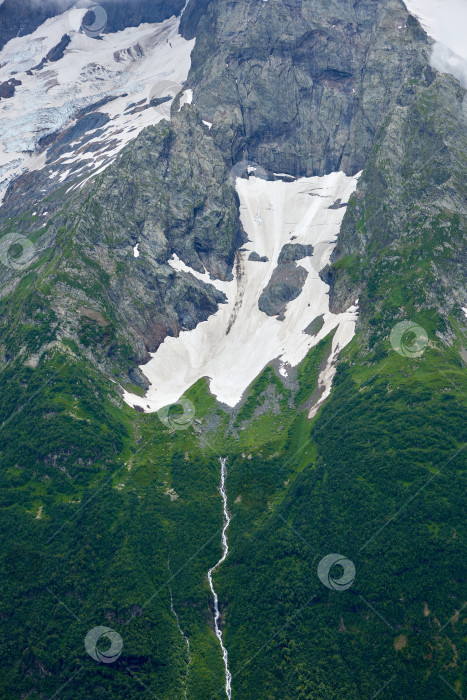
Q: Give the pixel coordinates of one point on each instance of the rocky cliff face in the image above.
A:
(410, 205)
(165, 196)
(100, 504)
(299, 87)
(287, 280)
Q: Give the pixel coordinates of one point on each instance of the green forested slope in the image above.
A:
(378, 477)
(108, 515)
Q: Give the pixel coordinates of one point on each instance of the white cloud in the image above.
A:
(445, 21)
(446, 61)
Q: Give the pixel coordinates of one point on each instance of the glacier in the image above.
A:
(126, 66)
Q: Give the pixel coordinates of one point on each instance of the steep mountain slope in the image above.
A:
(169, 181)
(75, 101)
(300, 87)
(21, 19)
(272, 300)
(112, 517)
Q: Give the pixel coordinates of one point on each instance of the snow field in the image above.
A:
(234, 345)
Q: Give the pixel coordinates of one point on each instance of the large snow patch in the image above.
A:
(234, 345)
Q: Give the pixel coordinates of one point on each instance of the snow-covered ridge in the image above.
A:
(128, 66)
(234, 345)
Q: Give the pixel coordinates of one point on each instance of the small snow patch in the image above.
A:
(136, 251)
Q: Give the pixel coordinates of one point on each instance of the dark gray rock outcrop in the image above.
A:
(294, 251)
(315, 326)
(410, 203)
(8, 88)
(55, 54)
(168, 192)
(285, 285)
(301, 88)
(286, 281)
(256, 257)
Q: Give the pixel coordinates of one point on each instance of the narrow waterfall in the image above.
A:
(225, 551)
(187, 641)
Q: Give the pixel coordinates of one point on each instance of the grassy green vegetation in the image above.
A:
(111, 518)
(107, 514)
(379, 477)
(374, 458)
